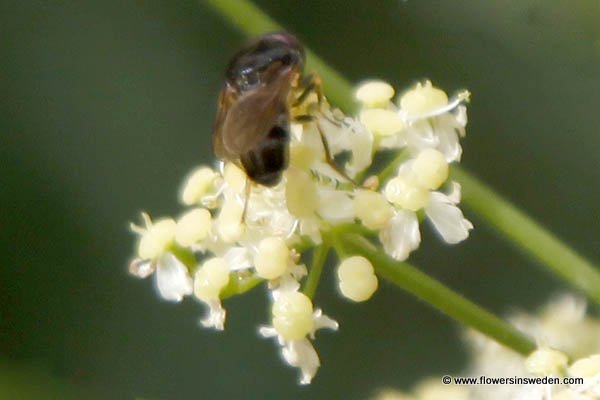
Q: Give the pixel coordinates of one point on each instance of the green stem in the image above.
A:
(441, 297)
(319, 257)
(528, 235)
(516, 225)
(239, 284)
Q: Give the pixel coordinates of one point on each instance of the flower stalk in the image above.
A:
(421, 285)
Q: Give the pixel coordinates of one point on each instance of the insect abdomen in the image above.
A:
(266, 162)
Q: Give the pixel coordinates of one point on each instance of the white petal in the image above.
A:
(172, 278)
(310, 227)
(401, 235)
(447, 219)
(267, 331)
(448, 139)
(216, 316)
(141, 268)
(455, 193)
(323, 321)
(335, 206)
(362, 149)
(461, 118)
(237, 258)
(421, 135)
(301, 354)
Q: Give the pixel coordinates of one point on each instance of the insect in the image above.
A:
(264, 81)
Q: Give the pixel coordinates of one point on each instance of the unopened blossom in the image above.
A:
(357, 280)
(375, 94)
(294, 322)
(271, 259)
(173, 281)
(209, 280)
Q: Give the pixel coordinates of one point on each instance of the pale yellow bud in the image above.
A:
(272, 257)
(198, 183)
(545, 361)
(586, 367)
(302, 156)
(292, 315)
(372, 209)
(381, 122)
(423, 99)
(374, 94)
(210, 279)
(357, 280)
(235, 177)
(406, 194)
(193, 227)
(430, 169)
(230, 225)
(300, 193)
(157, 238)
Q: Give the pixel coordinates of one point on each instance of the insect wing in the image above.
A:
(249, 118)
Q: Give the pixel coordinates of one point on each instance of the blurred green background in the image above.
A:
(104, 107)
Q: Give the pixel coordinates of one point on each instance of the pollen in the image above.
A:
(157, 239)
(193, 227)
(423, 98)
(430, 169)
(210, 279)
(357, 280)
(374, 94)
(372, 209)
(381, 122)
(403, 192)
(272, 257)
(197, 184)
(292, 315)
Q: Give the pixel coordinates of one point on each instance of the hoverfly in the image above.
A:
(264, 80)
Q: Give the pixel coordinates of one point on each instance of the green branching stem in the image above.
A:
(421, 285)
(319, 257)
(528, 235)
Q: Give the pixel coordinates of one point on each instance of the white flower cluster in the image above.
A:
(562, 324)
(234, 236)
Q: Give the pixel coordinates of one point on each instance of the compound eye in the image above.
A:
(248, 80)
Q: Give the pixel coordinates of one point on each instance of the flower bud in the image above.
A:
(372, 209)
(381, 122)
(197, 184)
(430, 169)
(423, 99)
(210, 279)
(374, 93)
(292, 315)
(272, 257)
(357, 278)
(545, 361)
(193, 227)
(300, 193)
(157, 238)
(406, 194)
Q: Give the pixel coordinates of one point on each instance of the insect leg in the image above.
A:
(329, 159)
(311, 83)
(248, 192)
